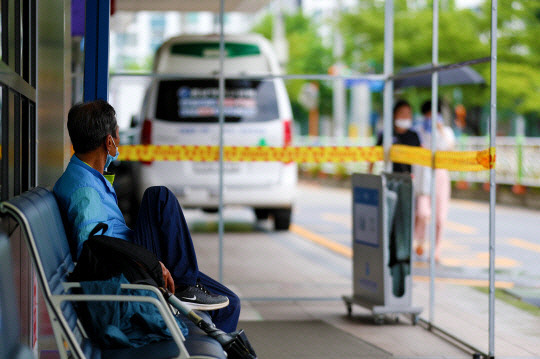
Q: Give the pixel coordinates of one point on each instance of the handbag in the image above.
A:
(103, 257)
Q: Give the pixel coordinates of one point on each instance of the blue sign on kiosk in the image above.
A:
(366, 205)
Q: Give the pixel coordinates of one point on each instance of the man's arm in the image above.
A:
(167, 278)
(84, 212)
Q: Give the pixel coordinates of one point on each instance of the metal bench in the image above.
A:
(10, 347)
(38, 214)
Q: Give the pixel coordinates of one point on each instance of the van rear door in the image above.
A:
(187, 113)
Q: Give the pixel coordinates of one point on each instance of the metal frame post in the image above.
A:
(492, 188)
(389, 82)
(387, 141)
(221, 123)
(96, 50)
(433, 145)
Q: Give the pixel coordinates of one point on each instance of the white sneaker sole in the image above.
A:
(205, 307)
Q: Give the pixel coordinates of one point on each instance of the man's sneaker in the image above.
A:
(199, 298)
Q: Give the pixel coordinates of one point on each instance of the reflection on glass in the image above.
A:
(1, 138)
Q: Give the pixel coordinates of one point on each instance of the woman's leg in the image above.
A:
(162, 229)
(442, 179)
(422, 215)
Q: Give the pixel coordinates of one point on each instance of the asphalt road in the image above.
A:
(322, 218)
(327, 212)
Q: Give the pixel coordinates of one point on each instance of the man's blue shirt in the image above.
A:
(87, 198)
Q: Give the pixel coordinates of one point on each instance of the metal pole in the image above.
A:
(338, 85)
(492, 188)
(221, 122)
(96, 51)
(389, 85)
(373, 77)
(434, 117)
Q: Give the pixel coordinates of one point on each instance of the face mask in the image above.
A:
(427, 122)
(111, 158)
(403, 123)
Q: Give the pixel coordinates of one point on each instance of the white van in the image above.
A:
(185, 112)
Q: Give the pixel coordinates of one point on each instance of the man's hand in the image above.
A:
(167, 278)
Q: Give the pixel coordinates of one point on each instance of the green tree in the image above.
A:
(363, 31)
(518, 65)
(464, 34)
(307, 55)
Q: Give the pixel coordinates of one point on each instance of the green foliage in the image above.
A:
(518, 67)
(464, 34)
(341, 171)
(265, 26)
(518, 87)
(134, 65)
(363, 31)
(508, 298)
(307, 55)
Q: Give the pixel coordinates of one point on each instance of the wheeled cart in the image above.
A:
(381, 312)
(382, 245)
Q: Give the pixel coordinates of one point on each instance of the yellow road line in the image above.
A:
(347, 252)
(470, 205)
(461, 228)
(325, 242)
(346, 220)
(480, 260)
(338, 218)
(524, 244)
(465, 282)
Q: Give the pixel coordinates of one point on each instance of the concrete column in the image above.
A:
(53, 88)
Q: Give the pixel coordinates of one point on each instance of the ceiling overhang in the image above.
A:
(189, 5)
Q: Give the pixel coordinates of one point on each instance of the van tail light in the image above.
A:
(146, 136)
(287, 133)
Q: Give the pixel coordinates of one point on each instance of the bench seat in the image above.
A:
(40, 219)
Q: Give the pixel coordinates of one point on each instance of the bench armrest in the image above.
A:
(161, 304)
(70, 285)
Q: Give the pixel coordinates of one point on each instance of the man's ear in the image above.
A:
(108, 142)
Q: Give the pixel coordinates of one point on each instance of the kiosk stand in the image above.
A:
(382, 245)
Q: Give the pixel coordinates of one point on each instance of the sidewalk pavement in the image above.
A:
(267, 265)
(261, 265)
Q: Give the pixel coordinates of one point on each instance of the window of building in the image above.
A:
(17, 97)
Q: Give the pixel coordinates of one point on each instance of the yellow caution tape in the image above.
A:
(250, 154)
(451, 160)
(411, 155)
(465, 160)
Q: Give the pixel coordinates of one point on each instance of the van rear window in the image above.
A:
(198, 101)
(211, 49)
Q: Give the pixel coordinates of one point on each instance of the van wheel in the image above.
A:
(210, 210)
(282, 219)
(261, 213)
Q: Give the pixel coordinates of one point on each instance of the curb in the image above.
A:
(528, 199)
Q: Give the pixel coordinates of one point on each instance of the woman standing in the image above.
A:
(422, 177)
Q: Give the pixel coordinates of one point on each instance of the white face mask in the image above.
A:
(403, 123)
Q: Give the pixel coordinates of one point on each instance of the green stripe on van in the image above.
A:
(211, 49)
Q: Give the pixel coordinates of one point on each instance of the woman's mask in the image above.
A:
(403, 123)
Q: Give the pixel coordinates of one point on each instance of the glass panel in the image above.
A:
(1, 29)
(2, 143)
(9, 130)
(198, 101)
(211, 49)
